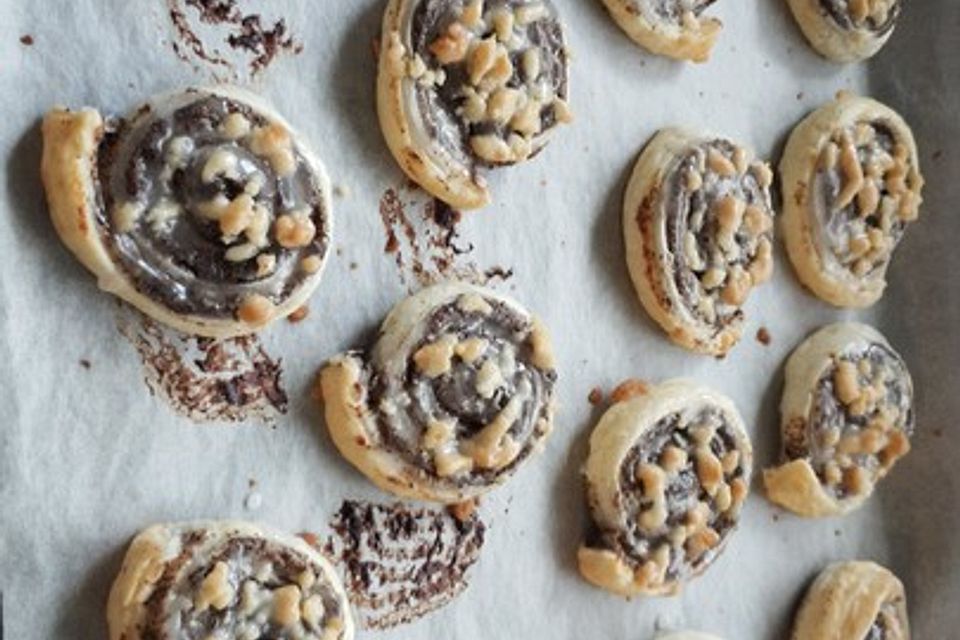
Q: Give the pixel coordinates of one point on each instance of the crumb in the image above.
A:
(837, 532)
(251, 483)
(85, 363)
(543, 183)
(339, 251)
(299, 314)
(776, 517)
(341, 191)
(26, 40)
(628, 389)
(392, 245)
(596, 396)
(937, 433)
(353, 266)
(253, 501)
(800, 95)
(763, 336)
(937, 155)
(311, 539)
(462, 511)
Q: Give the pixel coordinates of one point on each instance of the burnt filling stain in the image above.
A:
(401, 562)
(248, 33)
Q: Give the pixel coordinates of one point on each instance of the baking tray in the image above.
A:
(90, 453)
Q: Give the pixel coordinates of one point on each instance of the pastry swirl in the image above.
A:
(456, 393)
(201, 208)
(673, 28)
(203, 580)
(667, 475)
(852, 185)
(846, 416)
(854, 601)
(466, 85)
(847, 30)
(698, 227)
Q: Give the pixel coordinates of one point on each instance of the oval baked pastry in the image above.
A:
(698, 227)
(854, 601)
(466, 85)
(454, 396)
(846, 30)
(851, 185)
(667, 475)
(201, 208)
(223, 579)
(672, 28)
(846, 418)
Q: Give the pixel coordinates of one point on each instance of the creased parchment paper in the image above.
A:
(88, 455)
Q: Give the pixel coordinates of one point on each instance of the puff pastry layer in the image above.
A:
(667, 475)
(201, 208)
(467, 85)
(698, 229)
(851, 186)
(225, 580)
(854, 601)
(846, 417)
(454, 396)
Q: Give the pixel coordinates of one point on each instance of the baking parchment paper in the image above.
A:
(88, 455)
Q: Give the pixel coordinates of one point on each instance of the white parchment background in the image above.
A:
(87, 457)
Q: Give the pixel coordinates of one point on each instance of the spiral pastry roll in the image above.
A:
(200, 208)
(854, 601)
(465, 85)
(846, 417)
(225, 580)
(851, 183)
(456, 393)
(698, 226)
(667, 474)
(672, 28)
(846, 30)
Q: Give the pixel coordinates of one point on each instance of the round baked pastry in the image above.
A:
(854, 601)
(698, 226)
(201, 208)
(846, 30)
(846, 417)
(466, 85)
(851, 185)
(203, 580)
(454, 396)
(667, 474)
(673, 28)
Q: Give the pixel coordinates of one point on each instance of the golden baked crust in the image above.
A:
(840, 248)
(668, 247)
(677, 436)
(868, 24)
(452, 170)
(69, 169)
(419, 415)
(247, 571)
(690, 37)
(846, 418)
(849, 598)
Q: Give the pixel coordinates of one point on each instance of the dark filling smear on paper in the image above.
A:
(422, 236)
(207, 380)
(257, 41)
(401, 562)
